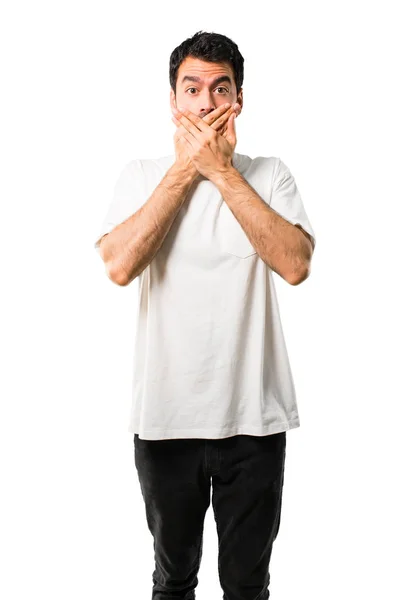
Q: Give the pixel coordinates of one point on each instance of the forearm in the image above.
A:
(132, 245)
(281, 245)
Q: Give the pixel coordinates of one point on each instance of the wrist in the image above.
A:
(187, 173)
(183, 173)
(220, 176)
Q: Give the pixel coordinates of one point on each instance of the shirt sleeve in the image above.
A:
(127, 198)
(286, 199)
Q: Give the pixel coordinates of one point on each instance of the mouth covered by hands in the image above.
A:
(206, 145)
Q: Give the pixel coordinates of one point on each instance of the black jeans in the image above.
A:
(247, 475)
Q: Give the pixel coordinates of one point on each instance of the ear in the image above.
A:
(172, 99)
(239, 100)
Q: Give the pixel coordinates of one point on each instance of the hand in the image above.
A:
(231, 109)
(217, 119)
(209, 151)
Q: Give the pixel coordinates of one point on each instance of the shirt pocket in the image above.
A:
(233, 238)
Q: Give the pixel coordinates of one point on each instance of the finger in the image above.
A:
(192, 122)
(231, 131)
(223, 118)
(180, 128)
(216, 113)
(217, 117)
(189, 126)
(188, 138)
(178, 124)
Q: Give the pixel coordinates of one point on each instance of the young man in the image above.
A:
(213, 396)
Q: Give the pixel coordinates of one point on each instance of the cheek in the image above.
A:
(187, 105)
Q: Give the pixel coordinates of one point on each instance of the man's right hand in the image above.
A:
(217, 119)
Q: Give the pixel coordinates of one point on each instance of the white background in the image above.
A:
(85, 89)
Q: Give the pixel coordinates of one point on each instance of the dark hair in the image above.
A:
(212, 47)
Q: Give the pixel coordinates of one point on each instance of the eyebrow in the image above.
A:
(198, 79)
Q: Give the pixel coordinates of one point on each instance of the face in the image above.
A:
(203, 86)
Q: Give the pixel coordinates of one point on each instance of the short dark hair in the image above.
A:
(212, 47)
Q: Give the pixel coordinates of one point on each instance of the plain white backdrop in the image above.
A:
(85, 89)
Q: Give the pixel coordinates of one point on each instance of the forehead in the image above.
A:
(203, 69)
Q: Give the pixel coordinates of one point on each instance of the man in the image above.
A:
(203, 230)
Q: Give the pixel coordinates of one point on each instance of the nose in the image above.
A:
(207, 104)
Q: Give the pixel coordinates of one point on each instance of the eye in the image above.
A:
(218, 88)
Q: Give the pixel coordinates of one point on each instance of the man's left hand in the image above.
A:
(210, 152)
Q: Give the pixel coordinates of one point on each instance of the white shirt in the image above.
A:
(210, 359)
